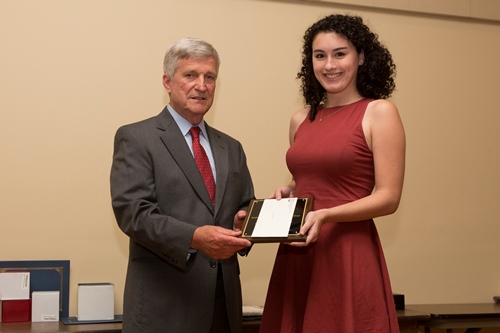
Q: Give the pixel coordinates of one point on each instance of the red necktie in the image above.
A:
(201, 159)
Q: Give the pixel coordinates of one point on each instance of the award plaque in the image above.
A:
(275, 221)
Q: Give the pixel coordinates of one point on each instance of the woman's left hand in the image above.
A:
(311, 227)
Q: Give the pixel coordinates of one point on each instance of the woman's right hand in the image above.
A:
(282, 192)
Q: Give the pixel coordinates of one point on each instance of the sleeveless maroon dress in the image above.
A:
(340, 284)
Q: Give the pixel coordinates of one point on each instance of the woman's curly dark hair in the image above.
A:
(375, 77)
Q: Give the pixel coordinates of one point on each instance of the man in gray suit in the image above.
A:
(183, 273)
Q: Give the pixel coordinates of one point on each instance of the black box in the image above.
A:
(399, 301)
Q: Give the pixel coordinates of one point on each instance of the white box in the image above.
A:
(44, 306)
(96, 301)
(15, 285)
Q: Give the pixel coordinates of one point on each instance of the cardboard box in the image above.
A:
(96, 301)
(16, 311)
(44, 306)
(15, 285)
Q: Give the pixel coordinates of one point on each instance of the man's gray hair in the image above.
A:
(186, 48)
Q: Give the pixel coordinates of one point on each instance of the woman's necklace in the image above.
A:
(337, 111)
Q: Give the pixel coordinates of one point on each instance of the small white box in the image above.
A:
(96, 301)
(15, 285)
(44, 306)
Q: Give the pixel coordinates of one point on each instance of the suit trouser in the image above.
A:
(220, 321)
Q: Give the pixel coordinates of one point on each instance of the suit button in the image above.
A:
(213, 264)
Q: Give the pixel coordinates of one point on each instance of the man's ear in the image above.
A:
(361, 58)
(166, 83)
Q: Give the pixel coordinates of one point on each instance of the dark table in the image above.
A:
(408, 319)
(472, 317)
(59, 327)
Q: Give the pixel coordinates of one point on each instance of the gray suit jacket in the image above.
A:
(159, 199)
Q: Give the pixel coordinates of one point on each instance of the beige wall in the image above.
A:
(71, 72)
(476, 9)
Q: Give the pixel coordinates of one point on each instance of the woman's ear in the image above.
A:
(361, 58)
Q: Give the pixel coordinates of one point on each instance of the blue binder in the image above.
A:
(45, 275)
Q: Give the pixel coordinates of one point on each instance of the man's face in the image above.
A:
(192, 88)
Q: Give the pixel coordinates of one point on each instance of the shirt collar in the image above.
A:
(184, 124)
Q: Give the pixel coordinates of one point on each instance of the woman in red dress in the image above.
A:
(347, 152)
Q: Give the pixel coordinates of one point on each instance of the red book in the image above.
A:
(15, 311)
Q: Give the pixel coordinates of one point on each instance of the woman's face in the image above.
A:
(335, 62)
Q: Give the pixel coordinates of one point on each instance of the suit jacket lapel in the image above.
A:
(175, 143)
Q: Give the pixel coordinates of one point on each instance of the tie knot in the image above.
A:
(195, 131)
